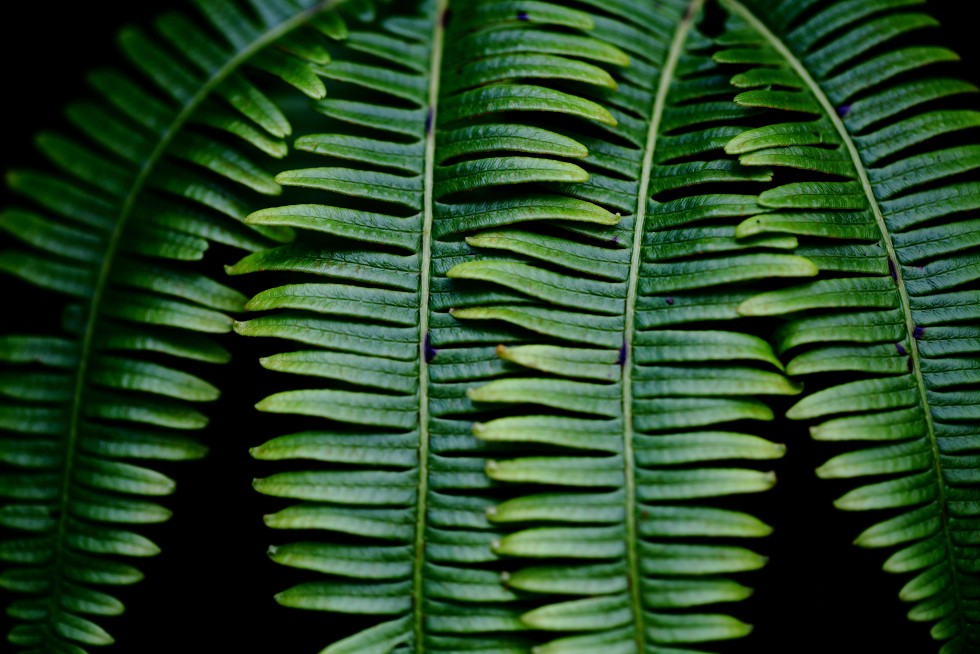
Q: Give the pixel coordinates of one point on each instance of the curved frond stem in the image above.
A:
(632, 536)
(438, 38)
(115, 239)
(886, 241)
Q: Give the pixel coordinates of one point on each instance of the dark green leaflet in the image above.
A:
(886, 219)
(145, 187)
(439, 153)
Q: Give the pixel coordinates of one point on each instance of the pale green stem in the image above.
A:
(632, 536)
(438, 37)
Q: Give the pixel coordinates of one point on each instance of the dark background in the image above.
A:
(211, 589)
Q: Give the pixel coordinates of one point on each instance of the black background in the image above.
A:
(211, 590)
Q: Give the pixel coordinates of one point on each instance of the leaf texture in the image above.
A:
(895, 303)
(521, 281)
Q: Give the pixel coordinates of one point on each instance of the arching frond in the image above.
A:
(440, 119)
(646, 385)
(884, 212)
(167, 159)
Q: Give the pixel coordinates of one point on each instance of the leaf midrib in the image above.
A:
(112, 247)
(418, 570)
(660, 102)
(831, 112)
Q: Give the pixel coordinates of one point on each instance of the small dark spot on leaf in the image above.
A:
(430, 352)
(918, 332)
(891, 270)
(908, 364)
(446, 17)
(615, 240)
(622, 355)
(428, 121)
(645, 514)
(522, 15)
(900, 348)
(669, 300)
(843, 110)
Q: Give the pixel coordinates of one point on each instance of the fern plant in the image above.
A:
(550, 266)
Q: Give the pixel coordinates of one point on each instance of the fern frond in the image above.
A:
(648, 411)
(885, 214)
(144, 187)
(440, 132)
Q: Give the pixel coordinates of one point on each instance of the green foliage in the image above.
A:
(539, 275)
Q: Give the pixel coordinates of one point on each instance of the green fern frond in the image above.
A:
(144, 187)
(442, 113)
(885, 216)
(654, 409)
